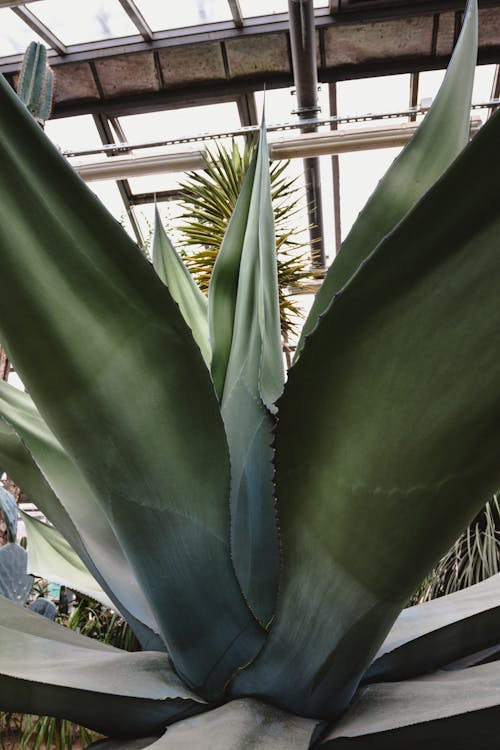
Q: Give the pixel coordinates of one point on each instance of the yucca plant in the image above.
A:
(208, 201)
(266, 584)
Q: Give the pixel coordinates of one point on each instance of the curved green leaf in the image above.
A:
(181, 285)
(34, 458)
(437, 142)
(460, 710)
(51, 557)
(398, 448)
(253, 381)
(48, 669)
(8, 507)
(439, 632)
(105, 354)
(239, 725)
(15, 583)
(223, 288)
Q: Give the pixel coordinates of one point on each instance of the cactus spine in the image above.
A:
(36, 82)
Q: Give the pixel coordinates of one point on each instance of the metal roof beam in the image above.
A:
(332, 96)
(39, 28)
(220, 31)
(137, 19)
(247, 109)
(236, 13)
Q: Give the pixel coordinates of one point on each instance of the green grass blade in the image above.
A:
(399, 446)
(437, 142)
(110, 363)
(174, 274)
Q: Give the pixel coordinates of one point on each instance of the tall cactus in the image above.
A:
(36, 82)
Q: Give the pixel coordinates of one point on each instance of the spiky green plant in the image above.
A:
(274, 577)
(208, 202)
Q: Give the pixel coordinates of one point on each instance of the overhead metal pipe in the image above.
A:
(303, 146)
(305, 75)
(120, 168)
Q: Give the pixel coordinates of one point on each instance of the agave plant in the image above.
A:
(266, 584)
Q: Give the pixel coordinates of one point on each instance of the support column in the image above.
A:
(303, 46)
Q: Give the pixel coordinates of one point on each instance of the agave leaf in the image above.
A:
(48, 669)
(15, 583)
(242, 725)
(8, 507)
(82, 276)
(446, 709)
(253, 380)
(224, 282)
(137, 743)
(51, 557)
(434, 634)
(34, 458)
(399, 446)
(174, 274)
(437, 142)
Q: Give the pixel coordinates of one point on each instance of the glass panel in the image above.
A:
(483, 85)
(169, 15)
(263, 7)
(176, 123)
(359, 174)
(108, 193)
(74, 132)
(14, 34)
(428, 84)
(88, 21)
(379, 95)
(279, 105)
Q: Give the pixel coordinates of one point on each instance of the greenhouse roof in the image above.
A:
(140, 70)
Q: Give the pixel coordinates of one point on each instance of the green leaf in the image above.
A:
(223, 289)
(253, 381)
(239, 725)
(138, 743)
(399, 446)
(15, 583)
(441, 631)
(437, 142)
(37, 462)
(460, 710)
(51, 557)
(133, 406)
(8, 507)
(434, 634)
(48, 669)
(181, 285)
